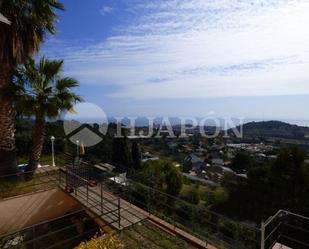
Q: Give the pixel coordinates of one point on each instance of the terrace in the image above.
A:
(70, 193)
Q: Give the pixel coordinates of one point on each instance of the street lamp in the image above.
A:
(52, 139)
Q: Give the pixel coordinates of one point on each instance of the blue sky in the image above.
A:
(235, 58)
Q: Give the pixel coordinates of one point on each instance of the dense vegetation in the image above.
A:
(162, 175)
(281, 184)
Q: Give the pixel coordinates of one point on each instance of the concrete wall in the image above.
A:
(27, 210)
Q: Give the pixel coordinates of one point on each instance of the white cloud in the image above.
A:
(198, 48)
(106, 10)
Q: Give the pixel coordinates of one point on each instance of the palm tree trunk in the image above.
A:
(8, 164)
(38, 141)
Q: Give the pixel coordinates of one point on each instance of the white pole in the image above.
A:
(263, 235)
(53, 150)
(77, 148)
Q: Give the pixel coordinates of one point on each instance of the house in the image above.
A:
(217, 162)
(148, 157)
(186, 148)
(197, 163)
(227, 170)
(200, 151)
(198, 166)
(105, 167)
(215, 169)
(193, 158)
(172, 145)
(120, 179)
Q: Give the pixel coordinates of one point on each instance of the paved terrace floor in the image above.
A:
(113, 210)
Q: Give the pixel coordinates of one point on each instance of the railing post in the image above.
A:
(66, 179)
(148, 199)
(87, 192)
(119, 212)
(101, 198)
(75, 185)
(59, 180)
(262, 235)
(53, 151)
(192, 217)
(34, 239)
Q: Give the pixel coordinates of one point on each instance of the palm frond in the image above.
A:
(31, 20)
(65, 83)
(38, 89)
(50, 69)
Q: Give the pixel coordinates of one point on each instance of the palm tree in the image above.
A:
(30, 22)
(41, 92)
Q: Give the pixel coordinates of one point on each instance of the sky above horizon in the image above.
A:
(233, 58)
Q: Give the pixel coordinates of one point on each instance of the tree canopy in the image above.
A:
(30, 21)
(282, 184)
(136, 155)
(242, 162)
(162, 174)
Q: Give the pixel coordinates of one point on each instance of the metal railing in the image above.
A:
(81, 190)
(78, 178)
(16, 184)
(54, 233)
(286, 228)
(201, 222)
(196, 220)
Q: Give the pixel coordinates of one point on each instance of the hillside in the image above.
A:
(275, 129)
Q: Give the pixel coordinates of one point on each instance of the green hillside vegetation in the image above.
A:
(275, 129)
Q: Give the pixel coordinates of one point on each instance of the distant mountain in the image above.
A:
(275, 129)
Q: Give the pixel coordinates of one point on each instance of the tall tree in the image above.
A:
(40, 91)
(242, 162)
(173, 179)
(31, 21)
(136, 155)
(162, 175)
(289, 178)
(193, 195)
(153, 174)
(121, 153)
